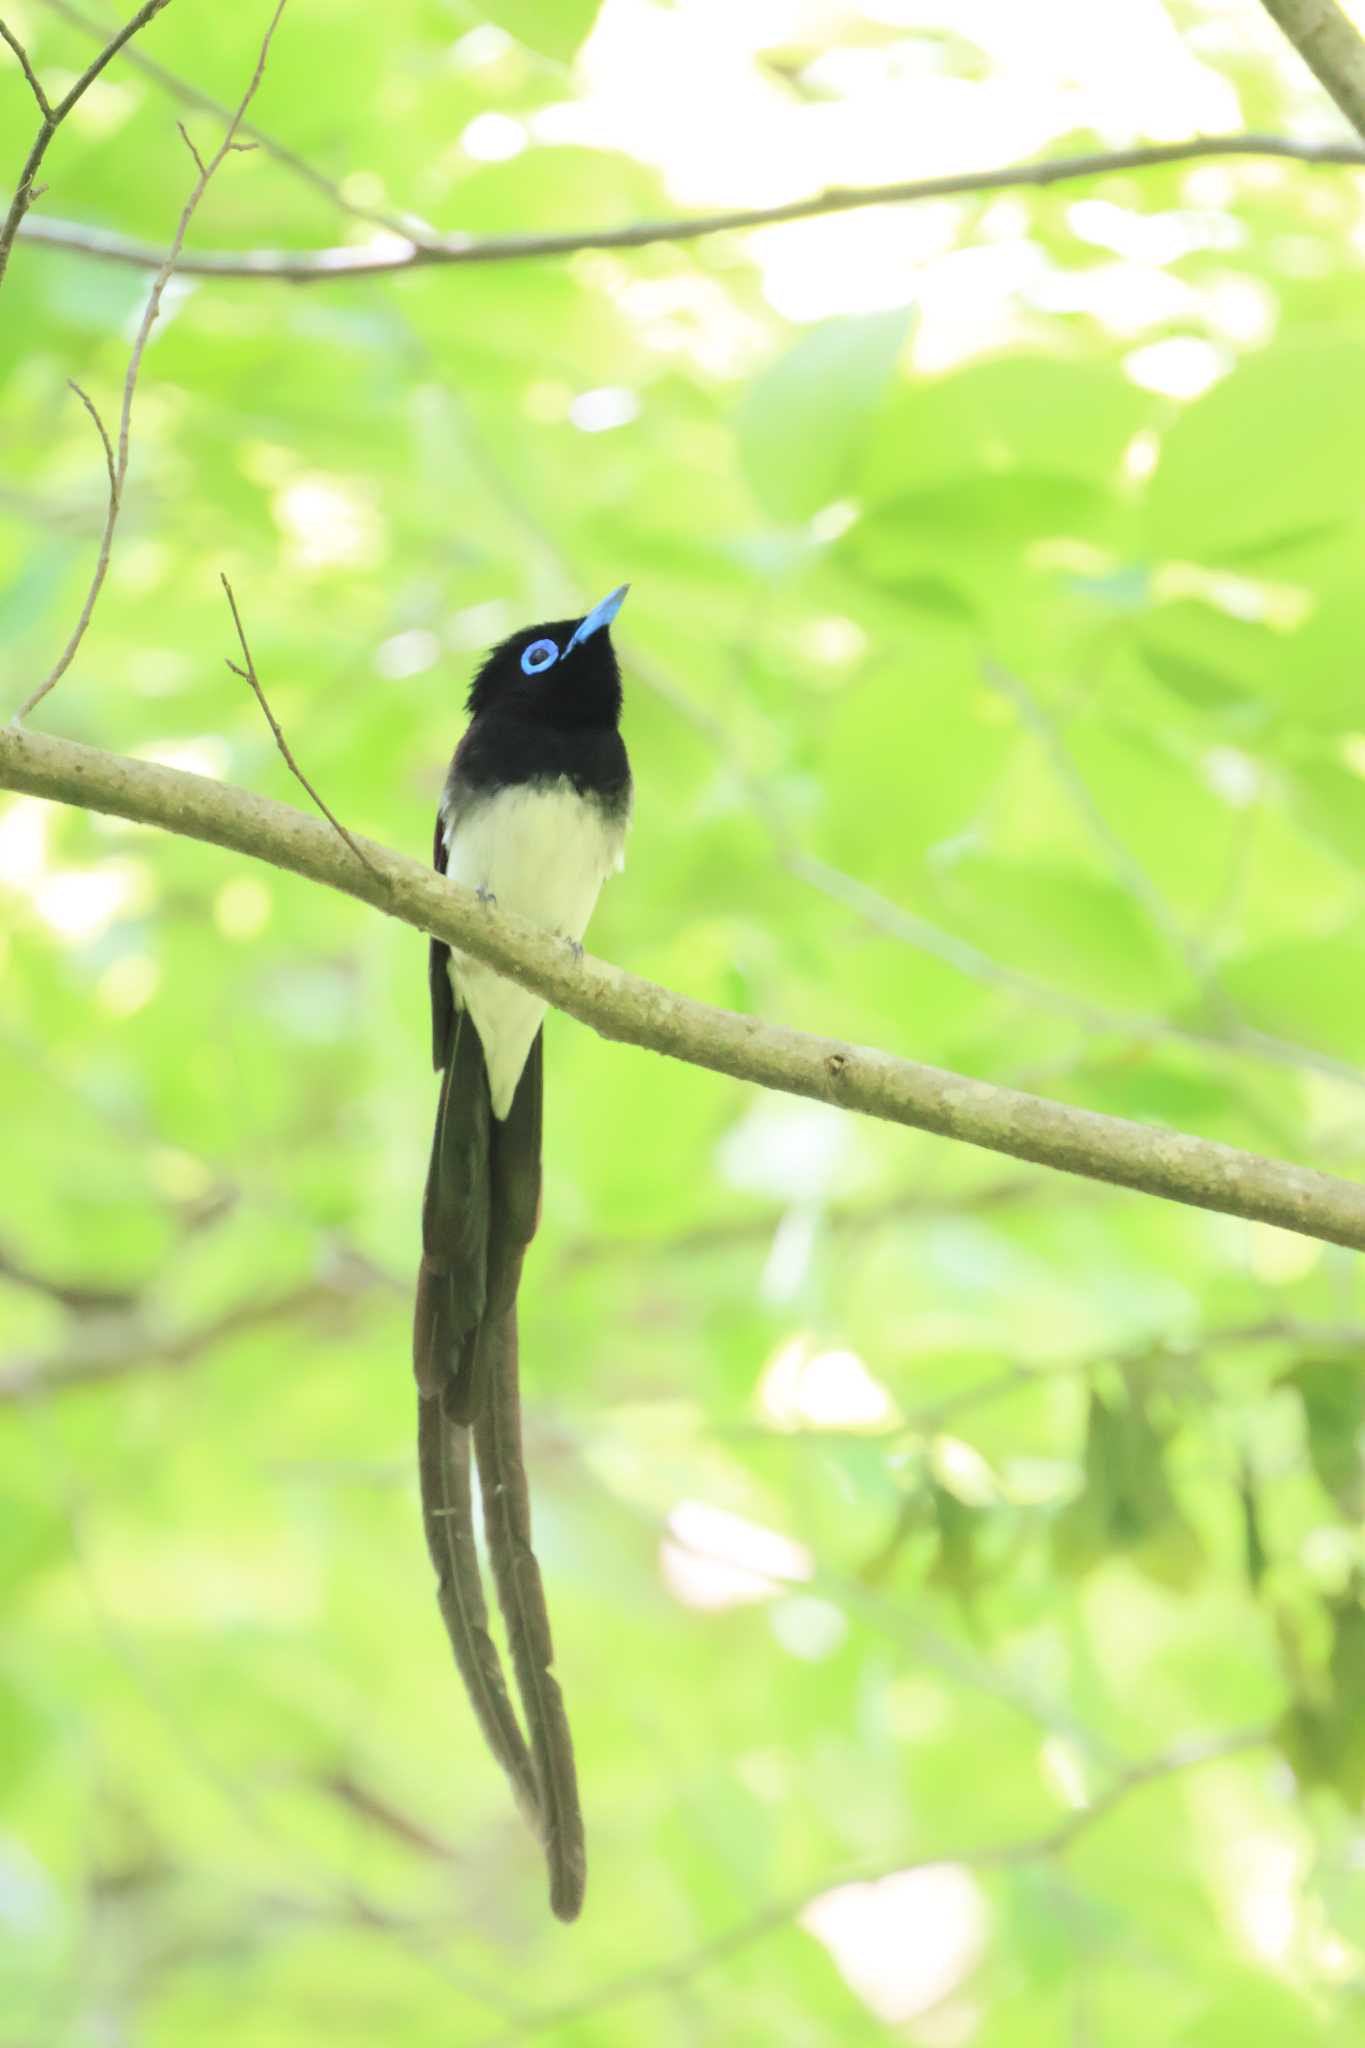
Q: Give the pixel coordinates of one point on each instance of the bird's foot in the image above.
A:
(486, 896)
(575, 946)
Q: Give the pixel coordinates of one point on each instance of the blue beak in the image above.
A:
(600, 615)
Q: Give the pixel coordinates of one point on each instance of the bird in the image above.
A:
(533, 818)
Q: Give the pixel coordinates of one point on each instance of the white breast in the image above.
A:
(544, 852)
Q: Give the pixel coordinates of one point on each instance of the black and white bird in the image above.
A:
(533, 818)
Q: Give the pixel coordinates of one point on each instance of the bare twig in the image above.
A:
(78, 1297)
(757, 1229)
(128, 1343)
(88, 402)
(1149, 1158)
(381, 1813)
(44, 103)
(27, 189)
(119, 468)
(1230, 1029)
(1331, 47)
(249, 675)
(188, 141)
(191, 95)
(412, 250)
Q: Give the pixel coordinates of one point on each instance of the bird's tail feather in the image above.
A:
(447, 1515)
(507, 1524)
(480, 1212)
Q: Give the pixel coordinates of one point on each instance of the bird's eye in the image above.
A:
(541, 654)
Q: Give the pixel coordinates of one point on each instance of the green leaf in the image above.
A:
(807, 418)
(1323, 1732)
(1332, 1391)
(1213, 662)
(1046, 415)
(1331, 802)
(1304, 989)
(554, 27)
(1274, 450)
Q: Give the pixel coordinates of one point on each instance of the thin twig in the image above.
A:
(381, 1813)
(191, 95)
(28, 189)
(78, 1297)
(249, 675)
(188, 141)
(1151, 1159)
(1231, 1028)
(412, 250)
(119, 471)
(1044, 1847)
(44, 103)
(128, 1343)
(88, 402)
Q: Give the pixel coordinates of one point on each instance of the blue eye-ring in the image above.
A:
(540, 655)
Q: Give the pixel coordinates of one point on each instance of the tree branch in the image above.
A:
(118, 464)
(191, 95)
(1148, 1158)
(128, 1343)
(413, 251)
(1330, 46)
(53, 116)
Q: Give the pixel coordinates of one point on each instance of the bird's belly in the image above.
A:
(543, 852)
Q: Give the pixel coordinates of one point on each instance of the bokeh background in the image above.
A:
(956, 1569)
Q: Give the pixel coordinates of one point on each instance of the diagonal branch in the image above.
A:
(34, 83)
(1332, 48)
(191, 95)
(130, 1343)
(410, 250)
(53, 116)
(118, 464)
(1148, 1158)
(249, 675)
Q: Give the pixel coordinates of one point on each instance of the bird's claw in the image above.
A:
(486, 896)
(575, 946)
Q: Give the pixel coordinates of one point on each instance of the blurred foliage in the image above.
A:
(994, 694)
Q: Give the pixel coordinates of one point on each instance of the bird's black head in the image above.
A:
(562, 673)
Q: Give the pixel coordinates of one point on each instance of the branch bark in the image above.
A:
(414, 251)
(1330, 46)
(1148, 1158)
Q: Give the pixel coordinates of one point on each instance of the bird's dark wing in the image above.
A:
(438, 972)
(452, 1279)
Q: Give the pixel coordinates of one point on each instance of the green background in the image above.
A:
(994, 690)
